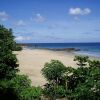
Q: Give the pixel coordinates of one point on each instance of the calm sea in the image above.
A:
(90, 49)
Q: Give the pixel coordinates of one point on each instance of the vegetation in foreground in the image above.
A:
(66, 82)
(82, 83)
(12, 85)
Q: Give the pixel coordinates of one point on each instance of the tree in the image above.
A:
(7, 40)
(54, 71)
(8, 61)
(11, 84)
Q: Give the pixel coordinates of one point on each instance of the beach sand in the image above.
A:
(32, 61)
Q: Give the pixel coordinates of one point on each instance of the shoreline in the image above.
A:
(75, 51)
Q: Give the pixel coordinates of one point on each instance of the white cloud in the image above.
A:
(22, 38)
(79, 11)
(20, 23)
(3, 16)
(38, 18)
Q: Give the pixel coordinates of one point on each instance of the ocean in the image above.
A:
(89, 49)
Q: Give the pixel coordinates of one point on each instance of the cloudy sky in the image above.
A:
(52, 20)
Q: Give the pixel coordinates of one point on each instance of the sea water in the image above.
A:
(89, 49)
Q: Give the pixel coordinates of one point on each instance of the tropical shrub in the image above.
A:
(31, 93)
(20, 83)
(85, 82)
(81, 60)
(54, 72)
(54, 91)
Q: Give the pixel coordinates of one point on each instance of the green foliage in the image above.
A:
(7, 40)
(81, 60)
(54, 91)
(20, 83)
(6, 91)
(94, 63)
(8, 65)
(8, 61)
(89, 90)
(12, 86)
(19, 88)
(79, 76)
(85, 82)
(82, 83)
(54, 71)
(31, 93)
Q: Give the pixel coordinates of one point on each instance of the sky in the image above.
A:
(52, 21)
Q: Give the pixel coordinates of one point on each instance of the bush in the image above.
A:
(54, 91)
(20, 83)
(54, 71)
(84, 83)
(81, 60)
(31, 93)
(94, 63)
(7, 92)
(8, 65)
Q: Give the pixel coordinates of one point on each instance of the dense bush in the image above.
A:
(82, 83)
(54, 71)
(8, 61)
(8, 65)
(7, 92)
(31, 93)
(20, 83)
(54, 91)
(22, 87)
(19, 88)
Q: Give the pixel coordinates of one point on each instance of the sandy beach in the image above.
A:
(32, 61)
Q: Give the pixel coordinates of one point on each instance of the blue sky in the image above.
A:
(52, 20)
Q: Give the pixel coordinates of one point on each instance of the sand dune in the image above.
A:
(32, 61)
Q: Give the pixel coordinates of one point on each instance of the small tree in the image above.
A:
(54, 71)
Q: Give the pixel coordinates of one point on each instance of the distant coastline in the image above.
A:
(89, 49)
